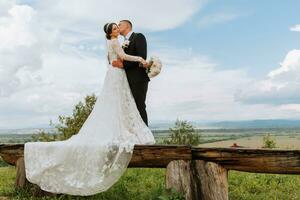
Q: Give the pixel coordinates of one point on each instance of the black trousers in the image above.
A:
(139, 92)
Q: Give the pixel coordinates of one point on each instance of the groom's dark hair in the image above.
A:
(129, 22)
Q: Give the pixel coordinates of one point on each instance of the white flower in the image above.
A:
(155, 67)
(125, 44)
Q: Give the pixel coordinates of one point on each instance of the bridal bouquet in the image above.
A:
(154, 68)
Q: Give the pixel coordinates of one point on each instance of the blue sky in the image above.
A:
(223, 60)
(256, 38)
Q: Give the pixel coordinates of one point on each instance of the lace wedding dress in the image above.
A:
(95, 158)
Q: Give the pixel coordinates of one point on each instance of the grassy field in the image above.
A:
(136, 184)
(7, 178)
(146, 184)
(282, 142)
(253, 186)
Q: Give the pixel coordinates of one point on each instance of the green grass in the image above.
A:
(147, 184)
(7, 178)
(136, 184)
(2, 163)
(248, 186)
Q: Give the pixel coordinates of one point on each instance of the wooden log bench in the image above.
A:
(199, 173)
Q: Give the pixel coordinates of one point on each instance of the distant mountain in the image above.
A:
(259, 123)
(268, 123)
(25, 130)
(160, 125)
(165, 125)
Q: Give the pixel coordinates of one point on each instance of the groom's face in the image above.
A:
(124, 28)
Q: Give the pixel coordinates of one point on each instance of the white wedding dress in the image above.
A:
(96, 157)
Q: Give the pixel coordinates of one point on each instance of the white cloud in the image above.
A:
(291, 107)
(290, 67)
(295, 28)
(147, 15)
(19, 49)
(192, 87)
(53, 90)
(281, 86)
(52, 52)
(5, 5)
(53, 55)
(217, 18)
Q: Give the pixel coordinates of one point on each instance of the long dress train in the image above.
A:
(96, 157)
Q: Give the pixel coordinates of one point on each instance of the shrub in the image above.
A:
(183, 133)
(269, 142)
(69, 125)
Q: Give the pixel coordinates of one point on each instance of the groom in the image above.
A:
(135, 44)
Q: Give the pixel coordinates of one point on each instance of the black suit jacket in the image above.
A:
(137, 47)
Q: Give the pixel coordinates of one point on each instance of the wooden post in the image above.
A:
(213, 178)
(198, 180)
(200, 173)
(21, 180)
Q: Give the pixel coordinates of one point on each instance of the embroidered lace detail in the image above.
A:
(115, 51)
(96, 157)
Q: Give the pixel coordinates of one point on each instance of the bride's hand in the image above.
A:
(117, 63)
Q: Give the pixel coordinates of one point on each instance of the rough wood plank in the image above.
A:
(10, 153)
(252, 160)
(21, 180)
(143, 155)
(159, 155)
(198, 180)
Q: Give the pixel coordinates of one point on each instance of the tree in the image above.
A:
(268, 142)
(44, 136)
(183, 133)
(69, 125)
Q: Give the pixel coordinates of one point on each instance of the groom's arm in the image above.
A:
(141, 50)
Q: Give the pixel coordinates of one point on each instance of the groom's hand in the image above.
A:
(117, 63)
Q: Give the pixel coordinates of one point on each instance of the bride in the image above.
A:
(96, 157)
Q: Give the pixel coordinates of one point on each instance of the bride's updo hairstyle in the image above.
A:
(108, 29)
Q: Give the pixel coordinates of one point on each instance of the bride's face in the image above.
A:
(115, 31)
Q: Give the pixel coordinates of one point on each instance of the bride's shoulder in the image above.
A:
(114, 41)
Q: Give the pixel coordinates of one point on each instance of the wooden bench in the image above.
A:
(200, 173)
